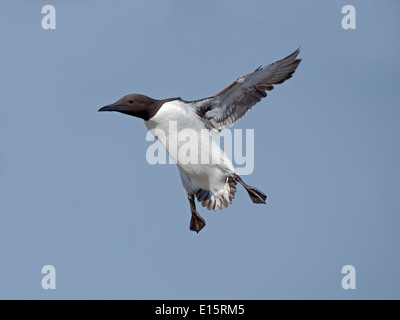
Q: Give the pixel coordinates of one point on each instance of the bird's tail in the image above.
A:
(223, 199)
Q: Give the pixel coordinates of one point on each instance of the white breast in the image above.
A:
(191, 146)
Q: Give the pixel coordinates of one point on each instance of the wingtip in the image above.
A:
(295, 53)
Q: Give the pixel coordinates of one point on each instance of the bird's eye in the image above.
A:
(130, 101)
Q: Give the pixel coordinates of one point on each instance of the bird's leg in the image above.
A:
(196, 222)
(257, 196)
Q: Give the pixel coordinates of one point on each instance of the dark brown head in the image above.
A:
(136, 105)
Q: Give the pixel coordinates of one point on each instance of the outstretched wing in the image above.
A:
(229, 105)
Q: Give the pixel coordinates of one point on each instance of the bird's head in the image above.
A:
(136, 105)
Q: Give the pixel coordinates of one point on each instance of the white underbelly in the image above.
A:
(202, 163)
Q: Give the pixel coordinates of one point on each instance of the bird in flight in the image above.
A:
(214, 182)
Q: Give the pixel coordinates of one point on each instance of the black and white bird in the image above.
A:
(213, 182)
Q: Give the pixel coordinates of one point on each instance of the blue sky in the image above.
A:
(76, 191)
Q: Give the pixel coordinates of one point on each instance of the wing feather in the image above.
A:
(232, 103)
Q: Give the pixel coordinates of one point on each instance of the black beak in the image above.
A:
(110, 107)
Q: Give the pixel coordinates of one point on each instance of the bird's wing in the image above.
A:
(232, 103)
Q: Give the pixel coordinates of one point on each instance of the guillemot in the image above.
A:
(213, 184)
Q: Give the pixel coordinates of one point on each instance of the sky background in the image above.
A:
(76, 191)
